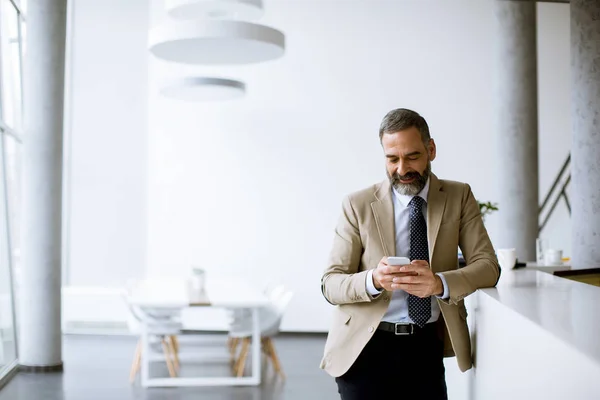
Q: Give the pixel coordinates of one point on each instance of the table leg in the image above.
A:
(256, 344)
(145, 372)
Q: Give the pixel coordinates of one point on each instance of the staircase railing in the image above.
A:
(557, 191)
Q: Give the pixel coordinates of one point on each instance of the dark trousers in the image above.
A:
(397, 367)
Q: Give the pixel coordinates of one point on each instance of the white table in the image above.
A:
(171, 296)
(548, 268)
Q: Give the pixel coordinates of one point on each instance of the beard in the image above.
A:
(413, 188)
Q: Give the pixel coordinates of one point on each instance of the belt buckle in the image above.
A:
(396, 325)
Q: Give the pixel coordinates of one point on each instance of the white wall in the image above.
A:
(108, 143)
(253, 188)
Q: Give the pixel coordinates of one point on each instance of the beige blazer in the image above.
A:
(365, 233)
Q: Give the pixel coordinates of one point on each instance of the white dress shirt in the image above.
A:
(398, 309)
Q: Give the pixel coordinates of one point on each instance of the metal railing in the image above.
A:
(557, 192)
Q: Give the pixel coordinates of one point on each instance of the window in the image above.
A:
(8, 347)
(10, 48)
(12, 168)
(11, 104)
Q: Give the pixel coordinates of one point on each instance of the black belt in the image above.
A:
(403, 328)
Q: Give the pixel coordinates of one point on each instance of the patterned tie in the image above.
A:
(419, 309)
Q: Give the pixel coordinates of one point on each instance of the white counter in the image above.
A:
(536, 336)
(564, 308)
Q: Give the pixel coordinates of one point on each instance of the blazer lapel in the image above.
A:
(436, 203)
(383, 210)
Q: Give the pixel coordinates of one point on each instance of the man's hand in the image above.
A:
(384, 274)
(422, 283)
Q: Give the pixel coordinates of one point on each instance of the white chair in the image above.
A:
(270, 318)
(272, 291)
(163, 329)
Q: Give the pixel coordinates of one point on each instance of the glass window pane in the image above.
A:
(8, 352)
(10, 53)
(12, 151)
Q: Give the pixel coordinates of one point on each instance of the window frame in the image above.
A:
(6, 131)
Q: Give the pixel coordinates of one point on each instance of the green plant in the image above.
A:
(487, 208)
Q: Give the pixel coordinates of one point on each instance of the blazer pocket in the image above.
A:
(343, 317)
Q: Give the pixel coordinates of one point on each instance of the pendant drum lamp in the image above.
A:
(227, 9)
(215, 42)
(200, 89)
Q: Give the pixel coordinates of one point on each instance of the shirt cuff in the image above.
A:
(446, 294)
(371, 289)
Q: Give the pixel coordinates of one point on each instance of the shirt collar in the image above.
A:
(405, 199)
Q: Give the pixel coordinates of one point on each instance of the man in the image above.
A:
(394, 324)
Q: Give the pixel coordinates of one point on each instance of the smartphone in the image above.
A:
(398, 261)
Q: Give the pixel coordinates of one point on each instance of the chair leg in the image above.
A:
(265, 347)
(175, 343)
(241, 363)
(233, 343)
(274, 357)
(266, 350)
(236, 358)
(173, 349)
(168, 360)
(135, 365)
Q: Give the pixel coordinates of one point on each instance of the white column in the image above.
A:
(585, 161)
(39, 288)
(516, 126)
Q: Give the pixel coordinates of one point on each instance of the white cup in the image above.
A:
(553, 257)
(507, 258)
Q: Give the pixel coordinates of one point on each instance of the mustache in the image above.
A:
(409, 175)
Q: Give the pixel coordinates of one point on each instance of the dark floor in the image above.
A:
(97, 368)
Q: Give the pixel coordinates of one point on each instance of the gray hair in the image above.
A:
(402, 118)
